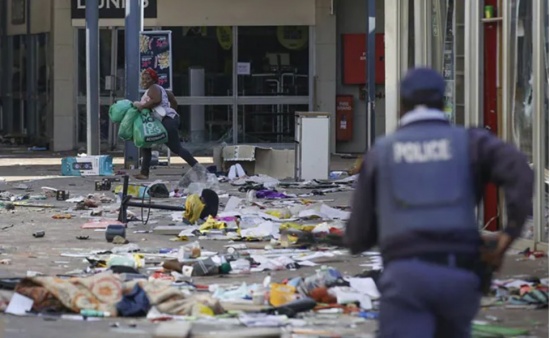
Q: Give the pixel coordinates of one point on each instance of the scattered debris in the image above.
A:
(39, 234)
(268, 226)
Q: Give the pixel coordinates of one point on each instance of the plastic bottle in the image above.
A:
(267, 281)
(94, 313)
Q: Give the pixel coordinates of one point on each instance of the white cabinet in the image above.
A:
(312, 145)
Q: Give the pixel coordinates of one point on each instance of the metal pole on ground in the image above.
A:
(371, 69)
(134, 19)
(92, 77)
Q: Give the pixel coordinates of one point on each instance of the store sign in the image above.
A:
(18, 12)
(112, 9)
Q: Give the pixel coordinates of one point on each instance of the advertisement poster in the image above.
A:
(155, 52)
(448, 63)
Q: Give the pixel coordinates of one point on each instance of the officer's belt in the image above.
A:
(468, 262)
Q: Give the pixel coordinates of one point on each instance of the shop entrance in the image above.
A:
(233, 84)
(25, 96)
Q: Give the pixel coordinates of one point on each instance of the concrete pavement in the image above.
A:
(43, 254)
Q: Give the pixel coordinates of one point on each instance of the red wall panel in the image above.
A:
(354, 55)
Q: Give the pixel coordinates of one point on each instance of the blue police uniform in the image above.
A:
(416, 197)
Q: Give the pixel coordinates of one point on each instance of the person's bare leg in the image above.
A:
(146, 154)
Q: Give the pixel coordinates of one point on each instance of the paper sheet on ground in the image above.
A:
(19, 305)
(365, 286)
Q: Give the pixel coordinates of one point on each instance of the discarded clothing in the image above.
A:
(270, 194)
(211, 224)
(134, 304)
(103, 291)
(158, 190)
(211, 202)
(531, 297)
(193, 208)
(251, 186)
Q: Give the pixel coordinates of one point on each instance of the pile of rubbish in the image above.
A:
(267, 230)
(117, 288)
(281, 264)
(523, 292)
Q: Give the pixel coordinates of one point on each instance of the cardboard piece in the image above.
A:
(100, 224)
(240, 332)
(173, 329)
(169, 230)
(101, 165)
(243, 306)
(277, 163)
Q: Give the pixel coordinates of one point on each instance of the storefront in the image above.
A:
(241, 69)
(24, 58)
(261, 69)
(272, 79)
(494, 56)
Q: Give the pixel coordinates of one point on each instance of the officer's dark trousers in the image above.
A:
(420, 299)
(174, 144)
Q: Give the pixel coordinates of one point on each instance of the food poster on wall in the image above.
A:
(225, 36)
(155, 52)
(293, 37)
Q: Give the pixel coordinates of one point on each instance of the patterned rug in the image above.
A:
(103, 291)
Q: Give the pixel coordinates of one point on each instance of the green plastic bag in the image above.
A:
(126, 128)
(148, 131)
(118, 110)
(493, 331)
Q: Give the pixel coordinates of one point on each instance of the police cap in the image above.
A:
(422, 85)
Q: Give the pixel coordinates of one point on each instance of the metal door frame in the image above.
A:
(233, 100)
(21, 97)
(112, 136)
(104, 100)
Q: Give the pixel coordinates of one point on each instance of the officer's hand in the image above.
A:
(494, 249)
(492, 257)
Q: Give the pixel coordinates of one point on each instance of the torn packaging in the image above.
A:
(193, 208)
(201, 207)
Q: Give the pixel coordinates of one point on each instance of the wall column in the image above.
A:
(422, 33)
(325, 63)
(64, 70)
(473, 64)
(539, 137)
(396, 21)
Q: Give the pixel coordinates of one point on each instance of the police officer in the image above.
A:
(416, 197)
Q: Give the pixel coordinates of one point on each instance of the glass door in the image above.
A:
(273, 73)
(19, 84)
